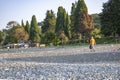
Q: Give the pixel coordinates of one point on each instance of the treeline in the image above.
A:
(63, 28)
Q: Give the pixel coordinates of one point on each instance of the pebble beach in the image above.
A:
(61, 63)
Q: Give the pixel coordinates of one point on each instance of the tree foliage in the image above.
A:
(67, 26)
(27, 27)
(34, 30)
(20, 34)
(49, 22)
(96, 33)
(1, 36)
(11, 24)
(63, 38)
(16, 34)
(72, 17)
(63, 22)
(97, 22)
(110, 18)
(22, 24)
(48, 37)
(82, 22)
(60, 22)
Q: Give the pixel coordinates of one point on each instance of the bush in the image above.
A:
(107, 40)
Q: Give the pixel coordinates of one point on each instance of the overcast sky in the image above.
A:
(16, 10)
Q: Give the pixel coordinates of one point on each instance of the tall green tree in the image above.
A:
(60, 22)
(110, 18)
(34, 30)
(22, 24)
(72, 17)
(80, 10)
(67, 26)
(83, 23)
(27, 27)
(49, 22)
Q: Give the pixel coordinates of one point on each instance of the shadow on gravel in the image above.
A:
(78, 58)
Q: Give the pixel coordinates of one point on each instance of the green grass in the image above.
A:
(109, 40)
(105, 40)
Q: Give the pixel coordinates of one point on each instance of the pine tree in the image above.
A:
(63, 23)
(67, 26)
(49, 22)
(34, 30)
(27, 27)
(22, 24)
(83, 23)
(72, 17)
(60, 22)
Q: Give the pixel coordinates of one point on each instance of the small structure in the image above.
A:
(42, 45)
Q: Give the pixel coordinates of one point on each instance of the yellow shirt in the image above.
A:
(92, 41)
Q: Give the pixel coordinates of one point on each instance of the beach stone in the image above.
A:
(56, 63)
